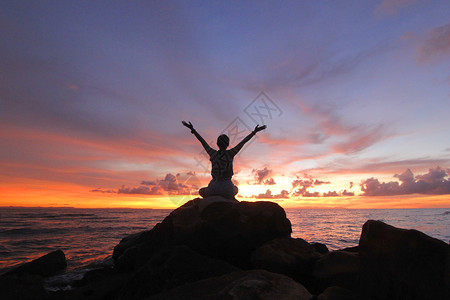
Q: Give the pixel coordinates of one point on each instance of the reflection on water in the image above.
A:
(89, 235)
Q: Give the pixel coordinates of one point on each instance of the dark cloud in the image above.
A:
(142, 190)
(146, 182)
(100, 190)
(270, 181)
(260, 175)
(300, 186)
(171, 184)
(331, 194)
(433, 183)
(319, 182)
(345, 193)
(284, 194)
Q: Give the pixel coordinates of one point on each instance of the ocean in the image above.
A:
(88, 236)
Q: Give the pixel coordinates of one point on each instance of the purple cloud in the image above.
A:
(284, 194)
(433, 183)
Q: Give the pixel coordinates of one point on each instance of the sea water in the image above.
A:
(88, 236)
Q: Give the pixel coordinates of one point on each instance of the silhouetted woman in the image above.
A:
(222, 163)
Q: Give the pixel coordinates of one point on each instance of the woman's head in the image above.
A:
(223, 141)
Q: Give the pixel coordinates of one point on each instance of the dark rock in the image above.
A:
(337, 293)
(402, 264)
(255, 284)
(99, 284)
(354, 249)
(321, 248)
(172, 268)
(337, 268)
(292, 257)
(21, 286)
(213, 226)
(45, 266)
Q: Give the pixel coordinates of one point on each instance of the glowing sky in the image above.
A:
(355, 94)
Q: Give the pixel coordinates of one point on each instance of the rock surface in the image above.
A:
(171, 268)
(254, 284)
(288, 256)
(214, 226)
(45, 266)
(26, 281)
(198, 250)
(337, 268)
(402, 264)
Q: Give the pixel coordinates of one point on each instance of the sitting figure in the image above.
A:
(222, 163)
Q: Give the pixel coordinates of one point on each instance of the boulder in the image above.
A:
(337, 268)
(402, 264)
(321, 248)
(22, 286)
(292, 257)
(171, 268)
(254, 284)
(45, 266)
(213, 226)
(103, 283)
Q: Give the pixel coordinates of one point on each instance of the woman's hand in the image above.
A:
(188, 125)
(259, 128)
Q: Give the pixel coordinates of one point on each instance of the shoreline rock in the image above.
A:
(413, 265)
(214, 248)
(221, 229)
(27, 280)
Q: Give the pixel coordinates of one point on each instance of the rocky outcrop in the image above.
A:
(45, 266)
(214, 226)
(402, 264)
(254, 284)
(26, 281)
(214, 248)
(288, 256)
(172, 268)
(336, 268)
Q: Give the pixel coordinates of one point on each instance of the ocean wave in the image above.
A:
(30, 231)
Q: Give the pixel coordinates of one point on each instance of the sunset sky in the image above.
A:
(355, 96)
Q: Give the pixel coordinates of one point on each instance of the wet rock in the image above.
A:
(213, 226)
(255, 284)
(292, 257)
(45, 266)
(402, 264)
(337, 268)
(99, 284)
(171, 268)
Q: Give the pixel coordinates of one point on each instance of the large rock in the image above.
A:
(23, 287)
(213, 226)
(255, 284)
(45, 266)
(337, 268)
(402, 264)
(26, 281)
(292, 257)
(171, 268)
